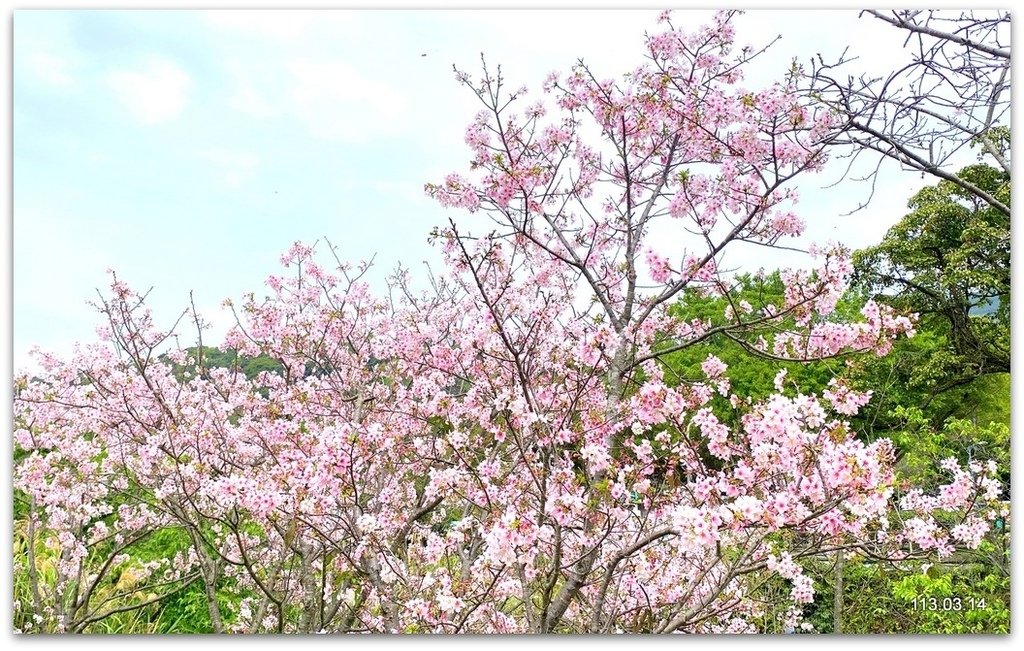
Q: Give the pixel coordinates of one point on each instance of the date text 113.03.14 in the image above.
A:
(954, 604)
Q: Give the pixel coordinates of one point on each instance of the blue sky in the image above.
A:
(188, 149)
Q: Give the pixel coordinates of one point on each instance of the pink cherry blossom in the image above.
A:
(504, 452)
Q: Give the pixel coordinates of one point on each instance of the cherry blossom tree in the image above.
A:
(504, 452)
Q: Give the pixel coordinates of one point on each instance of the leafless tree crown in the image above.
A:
(953, 92)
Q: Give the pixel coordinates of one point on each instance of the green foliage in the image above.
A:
(185, 612)
(920, 446)
(965, 597)
(943, 601)
(943, 393)
(949, 261)
(750, 375)
(985, 400)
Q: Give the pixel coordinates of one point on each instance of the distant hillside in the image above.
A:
(986, 307)
(216, 358)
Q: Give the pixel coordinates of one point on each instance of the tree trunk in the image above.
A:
(837, 604)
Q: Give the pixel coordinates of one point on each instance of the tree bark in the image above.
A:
(837, 604)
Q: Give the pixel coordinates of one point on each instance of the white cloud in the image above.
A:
(247, 97)
(217, 321)
(50, 69)
(59, 262)
(277, 24)
(409, 190)
(236, 166)
(153, 94)
(98, 156)
(335, 101)
(331, 98)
